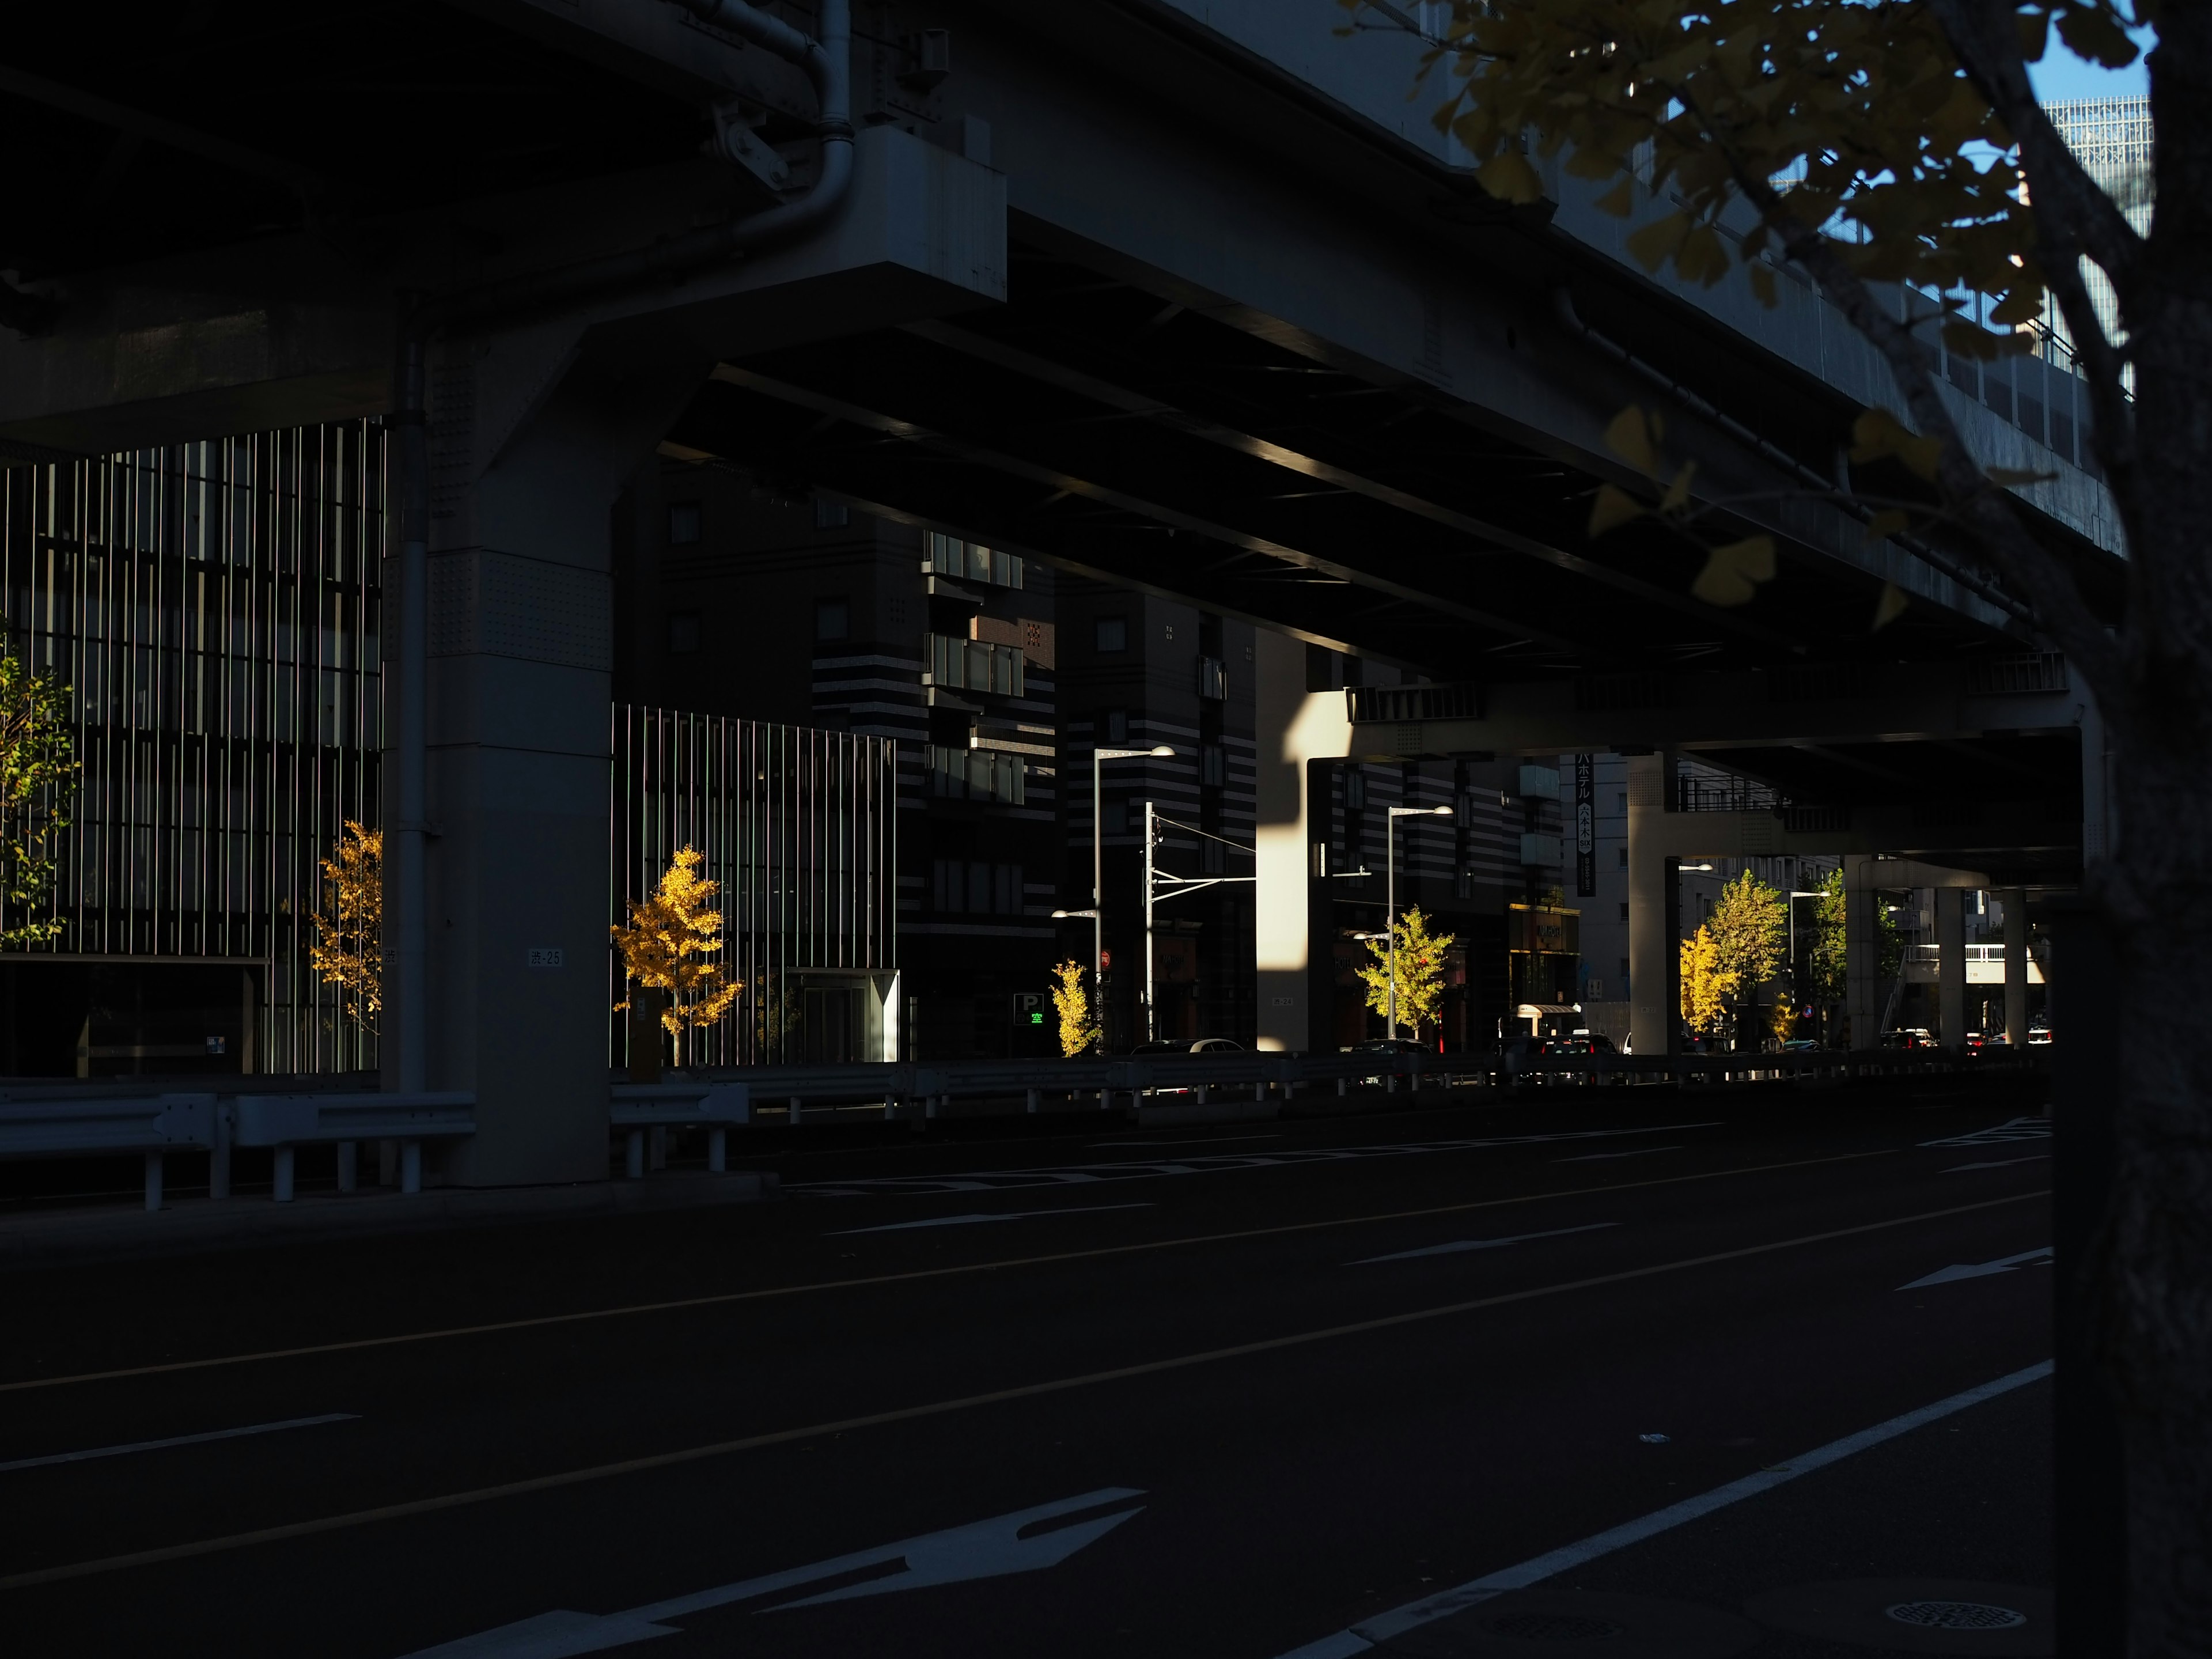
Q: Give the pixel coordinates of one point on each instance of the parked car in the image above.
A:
(1390, 1046)
(1582, 1042)
(1212, 1045)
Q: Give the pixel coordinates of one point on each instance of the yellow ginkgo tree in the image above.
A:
(1421, 964)
(349, 950)
(1707, 983)
(666, 949)
(1078, 1017)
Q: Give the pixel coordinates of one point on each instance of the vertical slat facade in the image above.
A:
(213, 607)
(797, 826)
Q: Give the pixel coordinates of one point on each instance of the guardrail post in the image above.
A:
(411, 1166)
(283, 1175)
(718, 1149)
(348, 1165)
(152, 1181)
(219, 1154)
(634, 1155)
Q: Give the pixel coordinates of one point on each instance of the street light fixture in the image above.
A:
(1390, 898)
(1097, 911)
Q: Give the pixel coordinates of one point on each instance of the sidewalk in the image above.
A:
(194, 1226)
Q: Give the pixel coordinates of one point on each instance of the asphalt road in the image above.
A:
(1260, 1384)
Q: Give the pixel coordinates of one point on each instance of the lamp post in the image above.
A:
(1097, 911)
(1390, 897)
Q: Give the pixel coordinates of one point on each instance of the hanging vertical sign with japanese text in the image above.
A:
(1585, 828)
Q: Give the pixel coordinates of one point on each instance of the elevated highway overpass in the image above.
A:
(1188, 295)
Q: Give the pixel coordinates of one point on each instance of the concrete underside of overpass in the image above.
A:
(1116, 293)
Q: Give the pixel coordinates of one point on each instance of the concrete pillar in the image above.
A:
(2015, 965)
(1951, 966)
(1655, 967)
(532, 436)
(1300, 732)
(1864, 989)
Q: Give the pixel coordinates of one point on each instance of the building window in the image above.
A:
(1355, 788)
(975, 665)
(684, 633)
(1463, 883)
(980, 775)
(1624, 805)
(1212, 679)
(833, 619)
(1624, 858)
(1624, 912)
(831, 515)
(1111, 633)
(1117, 817)
(948, 555)
(1113, 727)
(682, 523)
(1212, 766)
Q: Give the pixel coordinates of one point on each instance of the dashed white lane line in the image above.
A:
(177, 1440)
(1458, 1245)
(1596, 1157)
(972, 1220)
(1370, 1633)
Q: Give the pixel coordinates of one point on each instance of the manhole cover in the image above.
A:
(1552, 1627)
(1956, 1615)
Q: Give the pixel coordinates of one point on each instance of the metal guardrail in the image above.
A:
(288, 1121)
(639, 1108)
(154, 1126)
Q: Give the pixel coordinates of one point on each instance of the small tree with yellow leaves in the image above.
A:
(349, 952)
(665, 945)
(1707, 983)
(1420, 971)
(1078, 1017)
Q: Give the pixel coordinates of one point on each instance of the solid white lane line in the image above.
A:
(971, 1220)
(1457, 1245)
(2001, 1164)
(178, 1440)
(1211, 1140)
(2019, 1128)
(1371, 1633)
(1593, 1158)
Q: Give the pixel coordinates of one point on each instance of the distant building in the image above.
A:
(2111, 137)
(734, 600)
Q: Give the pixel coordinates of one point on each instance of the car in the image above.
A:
(1582, 1042)
(1213, 1045)
(1390, 1046)
(1798, 1045)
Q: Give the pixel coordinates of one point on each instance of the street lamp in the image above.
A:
(1097, 911)
(1390, 897)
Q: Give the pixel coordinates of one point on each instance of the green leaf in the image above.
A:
(1877, 433)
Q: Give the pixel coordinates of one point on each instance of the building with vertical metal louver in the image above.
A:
(213, 609)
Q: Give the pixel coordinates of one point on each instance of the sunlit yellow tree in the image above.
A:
(1706, 985)
(1751, 936)
(666, 944)
(1420, 971)
(1079, 1015)
(349, 949)
(38, 781)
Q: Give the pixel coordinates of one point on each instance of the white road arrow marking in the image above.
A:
(983, 1549)
(972, 1220)
(1956, 1271)
(2020, 1128)
(1455, 1247)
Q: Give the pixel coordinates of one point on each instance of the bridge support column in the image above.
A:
(531, 435)
(1655, 922)
(1951, 966)
(1864, 988)
(2015, 966)
(1301, 734)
